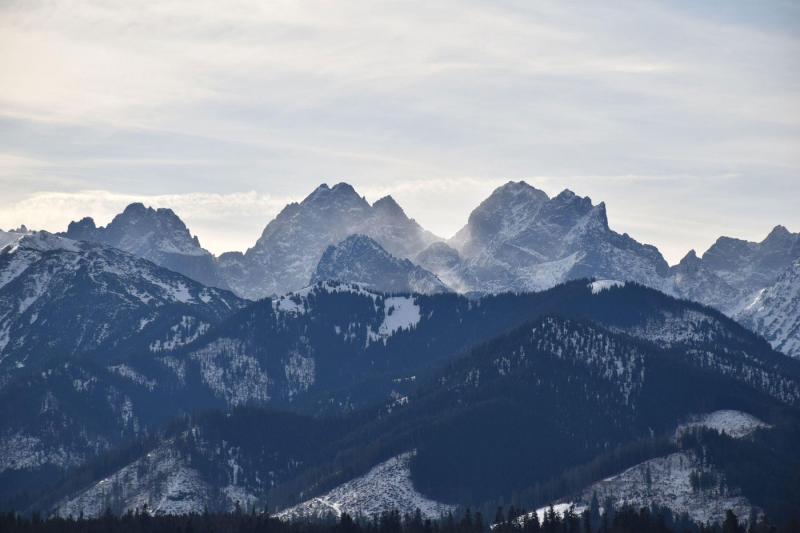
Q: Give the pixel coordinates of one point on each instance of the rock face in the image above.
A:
(756, 283)
(519, 239)
(359, 259)
(157, 235)
(753, 265)
(443, 259)
(286, 255)
(694, 280)
(775, 312)
(732, 271)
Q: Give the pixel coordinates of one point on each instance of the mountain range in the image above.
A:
(157, 235)
(518, 239)
(413, 374)
(285, 256)
(351, 361)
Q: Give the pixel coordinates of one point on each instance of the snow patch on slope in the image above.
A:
(604, 284)
(386, 487)
(735, 424)
(559, 509)
(400, 313)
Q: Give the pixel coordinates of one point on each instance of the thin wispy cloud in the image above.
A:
(175, 97)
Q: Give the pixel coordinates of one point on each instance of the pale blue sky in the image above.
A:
(684, 117)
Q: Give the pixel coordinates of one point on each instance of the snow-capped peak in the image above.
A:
(41, 241)
(12, 236)
(360, 259)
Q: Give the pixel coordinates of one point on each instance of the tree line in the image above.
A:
(625, 519)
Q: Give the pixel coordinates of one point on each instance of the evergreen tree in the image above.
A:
(499, 516)
(731, 523)
(594, 512)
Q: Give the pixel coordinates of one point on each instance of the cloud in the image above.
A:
(233, 221)
(224, 222)
(434, 102)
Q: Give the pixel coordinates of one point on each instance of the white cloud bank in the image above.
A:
(224, 222)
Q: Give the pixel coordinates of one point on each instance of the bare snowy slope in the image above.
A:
(386, 487)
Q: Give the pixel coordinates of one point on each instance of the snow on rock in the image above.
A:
(520, 239)
(359, 259)
(775, 312)
(285, 256)
(157, 235)
(386, 487)
(12, 236)
(604, 284)
(735, 424)
(41, 241)
(19, 253)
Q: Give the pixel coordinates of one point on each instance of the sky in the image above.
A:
(683, 116)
